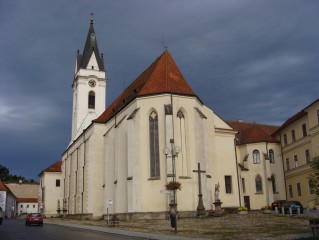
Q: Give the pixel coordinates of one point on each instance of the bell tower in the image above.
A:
(89, 85)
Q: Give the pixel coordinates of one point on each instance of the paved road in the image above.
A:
(13, 229)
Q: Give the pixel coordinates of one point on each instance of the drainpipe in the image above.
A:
(239, 195)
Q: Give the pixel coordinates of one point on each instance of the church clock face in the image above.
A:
(92, 83)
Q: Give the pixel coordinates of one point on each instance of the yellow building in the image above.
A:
(299, 137)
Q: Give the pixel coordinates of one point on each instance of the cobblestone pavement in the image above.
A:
(255, 225)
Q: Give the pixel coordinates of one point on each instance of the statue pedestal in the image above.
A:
(218, 205)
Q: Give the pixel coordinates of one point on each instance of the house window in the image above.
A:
(271, 156)
(307, 153)
(33, 206)
(293, 136)
(287, 163)
(243, 184)
(258, 182)
(273, 183)
(21, 206)
(91, 100)
(154, 146)
(27, 206)
(290, 191)
(285, 140)
(304, 130)
(311, 189)
(57, 182)
(296, 161)
(298, 189)
(256, 156)
(228, 185)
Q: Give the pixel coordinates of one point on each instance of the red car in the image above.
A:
(34, 218)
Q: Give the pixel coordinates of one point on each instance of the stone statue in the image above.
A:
(217, 192)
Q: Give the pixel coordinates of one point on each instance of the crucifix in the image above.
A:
(200, 207)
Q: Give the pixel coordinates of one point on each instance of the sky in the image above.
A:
(252, 60)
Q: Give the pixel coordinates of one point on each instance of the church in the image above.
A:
(121, 160)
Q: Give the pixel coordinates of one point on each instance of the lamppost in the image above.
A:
(174, 150)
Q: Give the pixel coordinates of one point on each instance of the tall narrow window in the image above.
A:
(91, 100)
(285, 140)
(290, 191)
(296, 161)
(243, 184)
(183, 153)
(256, 156)
(307, 153)
(259, 186)
(298, 189)
(304, 130)
(228, 185)
(57, 182)
(293, 136)
(271, 156)
(311, 189)
(287, 164)
(154, 147)
(273, 183)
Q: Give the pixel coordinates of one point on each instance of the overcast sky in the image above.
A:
(245, 59)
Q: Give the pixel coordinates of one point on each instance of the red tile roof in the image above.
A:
(252, 132)
(2, 186)
(294, 118)
(27, 200)
(56, 167)
(162, 76)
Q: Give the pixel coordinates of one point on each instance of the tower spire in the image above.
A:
(92, 18)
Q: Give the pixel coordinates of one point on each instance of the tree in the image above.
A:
(314, 176)
(5, 175)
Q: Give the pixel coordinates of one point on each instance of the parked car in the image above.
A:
(294, 205)
(1, 215)
(34, 218)
(278, 204)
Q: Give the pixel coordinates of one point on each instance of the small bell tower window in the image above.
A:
(91, 100)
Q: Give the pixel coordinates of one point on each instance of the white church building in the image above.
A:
(120, 158)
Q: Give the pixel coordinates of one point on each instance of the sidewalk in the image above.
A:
(117, 231)
(253, 226)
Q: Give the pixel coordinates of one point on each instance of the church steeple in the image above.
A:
(89, 84)
(90, 47)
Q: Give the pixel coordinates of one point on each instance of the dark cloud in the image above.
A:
(246, 59)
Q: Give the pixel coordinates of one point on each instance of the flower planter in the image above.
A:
(243, 212)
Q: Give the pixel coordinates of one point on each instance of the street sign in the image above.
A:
(164, 191)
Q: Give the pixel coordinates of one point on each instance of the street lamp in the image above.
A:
(173, 151)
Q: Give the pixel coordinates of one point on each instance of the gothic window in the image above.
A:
(271, 156)
(183, 153)
(91, 100)
(259, 186)
(273, 183)
(256, 156)
(154, 146)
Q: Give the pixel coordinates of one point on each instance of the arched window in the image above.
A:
(273, 183)
(154, 147)
(271, 156)
(259, 186)
(256, 156)
(183, 153)
(91, 100)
